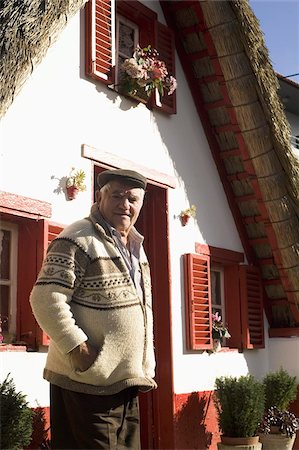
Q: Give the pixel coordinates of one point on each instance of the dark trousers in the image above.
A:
(83, 421)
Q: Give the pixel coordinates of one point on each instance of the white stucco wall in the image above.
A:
(57, 111)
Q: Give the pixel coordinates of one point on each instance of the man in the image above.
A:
(93, 298)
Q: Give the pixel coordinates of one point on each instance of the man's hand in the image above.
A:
(83, 356)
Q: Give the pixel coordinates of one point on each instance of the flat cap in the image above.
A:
(131, 177)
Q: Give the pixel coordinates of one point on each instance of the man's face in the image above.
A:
(120, 204)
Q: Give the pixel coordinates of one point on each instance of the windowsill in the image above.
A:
(12, 348)
(228, 350)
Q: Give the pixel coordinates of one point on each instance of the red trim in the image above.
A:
(220, 255)
(12, 348)
(284, 332)
(24, 206)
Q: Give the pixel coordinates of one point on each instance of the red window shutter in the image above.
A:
(252, 320)
(99, 26)
(166, 48)
(27, 266)
(47, 231)
(198, 302)
(232, 305)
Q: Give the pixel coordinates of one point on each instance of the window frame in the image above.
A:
(243, 298)
(100, 42)
(12, 282)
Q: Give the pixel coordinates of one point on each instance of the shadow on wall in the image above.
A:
(192, 420)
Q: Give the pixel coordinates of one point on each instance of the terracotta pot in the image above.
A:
(185, 219)
(233, 443)
(239, 440)
(72, 192)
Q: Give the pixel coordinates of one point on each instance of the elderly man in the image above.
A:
(93, 298)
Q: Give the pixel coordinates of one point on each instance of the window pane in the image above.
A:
(4, 306)
(5, 239)
(126, 40)
(216, 287)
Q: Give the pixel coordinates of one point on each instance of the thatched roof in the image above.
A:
(27, 29)
(222, 50)
(234, 87)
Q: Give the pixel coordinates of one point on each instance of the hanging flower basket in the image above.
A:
(144, 74)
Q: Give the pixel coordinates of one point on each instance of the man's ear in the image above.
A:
(98, 196)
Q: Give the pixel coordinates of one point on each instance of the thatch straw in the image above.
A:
(28, 29)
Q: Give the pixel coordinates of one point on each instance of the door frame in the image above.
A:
(158, 419)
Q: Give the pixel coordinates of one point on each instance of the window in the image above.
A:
(217, 280)
(217, 292)
(113, 29)
(24, 238)
(8, 279)
(127, 38)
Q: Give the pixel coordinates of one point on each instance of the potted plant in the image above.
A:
(239, 405)
(187, 213)
(16, 417)
(219, 332)
(75, 183)
(279, 426)
(144, 74)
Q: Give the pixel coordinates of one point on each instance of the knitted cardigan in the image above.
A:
(84, 291)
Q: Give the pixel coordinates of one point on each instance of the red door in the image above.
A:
(156, 407)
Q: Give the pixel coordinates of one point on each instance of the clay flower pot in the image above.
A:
(185, 219)
(72, 192)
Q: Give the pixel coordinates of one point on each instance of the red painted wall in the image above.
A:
(41, 429)
(196, 425)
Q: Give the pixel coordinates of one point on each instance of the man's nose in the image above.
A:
(124, 203)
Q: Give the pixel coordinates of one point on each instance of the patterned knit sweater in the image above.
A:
(84, 291)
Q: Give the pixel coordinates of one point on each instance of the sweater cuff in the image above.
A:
(69, 342)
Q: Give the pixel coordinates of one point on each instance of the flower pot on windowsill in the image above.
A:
(216, 345)
(138, 93)
(144, 75)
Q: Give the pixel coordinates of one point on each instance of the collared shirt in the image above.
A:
(130, 254)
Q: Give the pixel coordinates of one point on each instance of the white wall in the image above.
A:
(57, 111)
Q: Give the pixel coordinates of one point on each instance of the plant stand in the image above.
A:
(275, 441)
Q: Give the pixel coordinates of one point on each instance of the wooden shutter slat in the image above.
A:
(198, 302)
(251, 307)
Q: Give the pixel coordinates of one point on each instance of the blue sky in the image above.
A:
(279, 21)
